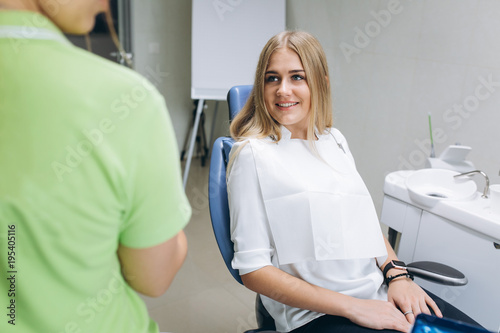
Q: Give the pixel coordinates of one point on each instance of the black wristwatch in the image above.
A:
(398, 265)
(394, 264)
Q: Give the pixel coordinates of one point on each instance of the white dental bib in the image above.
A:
(310, 216)
(318, 207)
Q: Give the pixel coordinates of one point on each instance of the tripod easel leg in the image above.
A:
(192, 141)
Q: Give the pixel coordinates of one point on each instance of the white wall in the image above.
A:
(429, 56)
(161, 39)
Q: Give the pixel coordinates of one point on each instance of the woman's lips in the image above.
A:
(286, 105)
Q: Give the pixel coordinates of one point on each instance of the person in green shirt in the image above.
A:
(91, 200)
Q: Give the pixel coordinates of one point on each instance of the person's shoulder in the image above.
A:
(250, 143)
(112, 74)
(336, 133)
(243, 149)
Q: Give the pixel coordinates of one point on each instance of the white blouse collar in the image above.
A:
(287, 135)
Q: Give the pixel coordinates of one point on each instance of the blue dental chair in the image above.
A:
(219, 210)
(219, 214)
(236, 99)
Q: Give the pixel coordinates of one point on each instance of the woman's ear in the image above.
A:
(327, 81)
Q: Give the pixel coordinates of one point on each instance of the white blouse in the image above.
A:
(308, 214)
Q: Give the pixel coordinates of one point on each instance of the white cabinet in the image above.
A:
(428, 237)
(405, 219)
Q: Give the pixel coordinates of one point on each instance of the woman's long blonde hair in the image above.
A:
(254, 119)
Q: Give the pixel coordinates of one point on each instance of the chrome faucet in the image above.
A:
(486, 188)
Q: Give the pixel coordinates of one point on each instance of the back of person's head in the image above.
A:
(254, 120)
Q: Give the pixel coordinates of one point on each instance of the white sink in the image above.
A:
(429, 186)
(471, 211)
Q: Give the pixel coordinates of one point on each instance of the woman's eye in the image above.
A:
(297, 77)
(271, 79)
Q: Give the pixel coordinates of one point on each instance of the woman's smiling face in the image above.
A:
(286, 92)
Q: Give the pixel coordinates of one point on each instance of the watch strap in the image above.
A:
(390, 265)
(392, 277)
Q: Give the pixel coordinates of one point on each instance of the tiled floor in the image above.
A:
(204, 297)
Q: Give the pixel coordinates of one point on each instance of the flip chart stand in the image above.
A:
(196, 135)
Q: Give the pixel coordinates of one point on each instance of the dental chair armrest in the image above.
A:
(437, 272)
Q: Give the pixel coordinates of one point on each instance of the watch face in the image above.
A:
(399, 264)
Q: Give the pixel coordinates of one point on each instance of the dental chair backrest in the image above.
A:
(219, 208)
(217, 189)
(217, 196)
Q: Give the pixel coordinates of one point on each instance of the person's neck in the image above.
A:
(30, 5)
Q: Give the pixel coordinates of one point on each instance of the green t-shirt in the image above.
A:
(88, 160)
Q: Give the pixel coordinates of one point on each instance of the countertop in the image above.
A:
(474, 214)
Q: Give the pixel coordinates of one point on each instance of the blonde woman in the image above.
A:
(306, 234)
(91, 198)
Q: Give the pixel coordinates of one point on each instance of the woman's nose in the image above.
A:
(284, 88)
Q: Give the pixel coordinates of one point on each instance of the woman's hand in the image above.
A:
(284, 288)
(378, 315)
(405, 294)
(409, 298)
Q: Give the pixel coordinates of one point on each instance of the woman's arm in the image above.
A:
(406, 294)
(284, 288)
